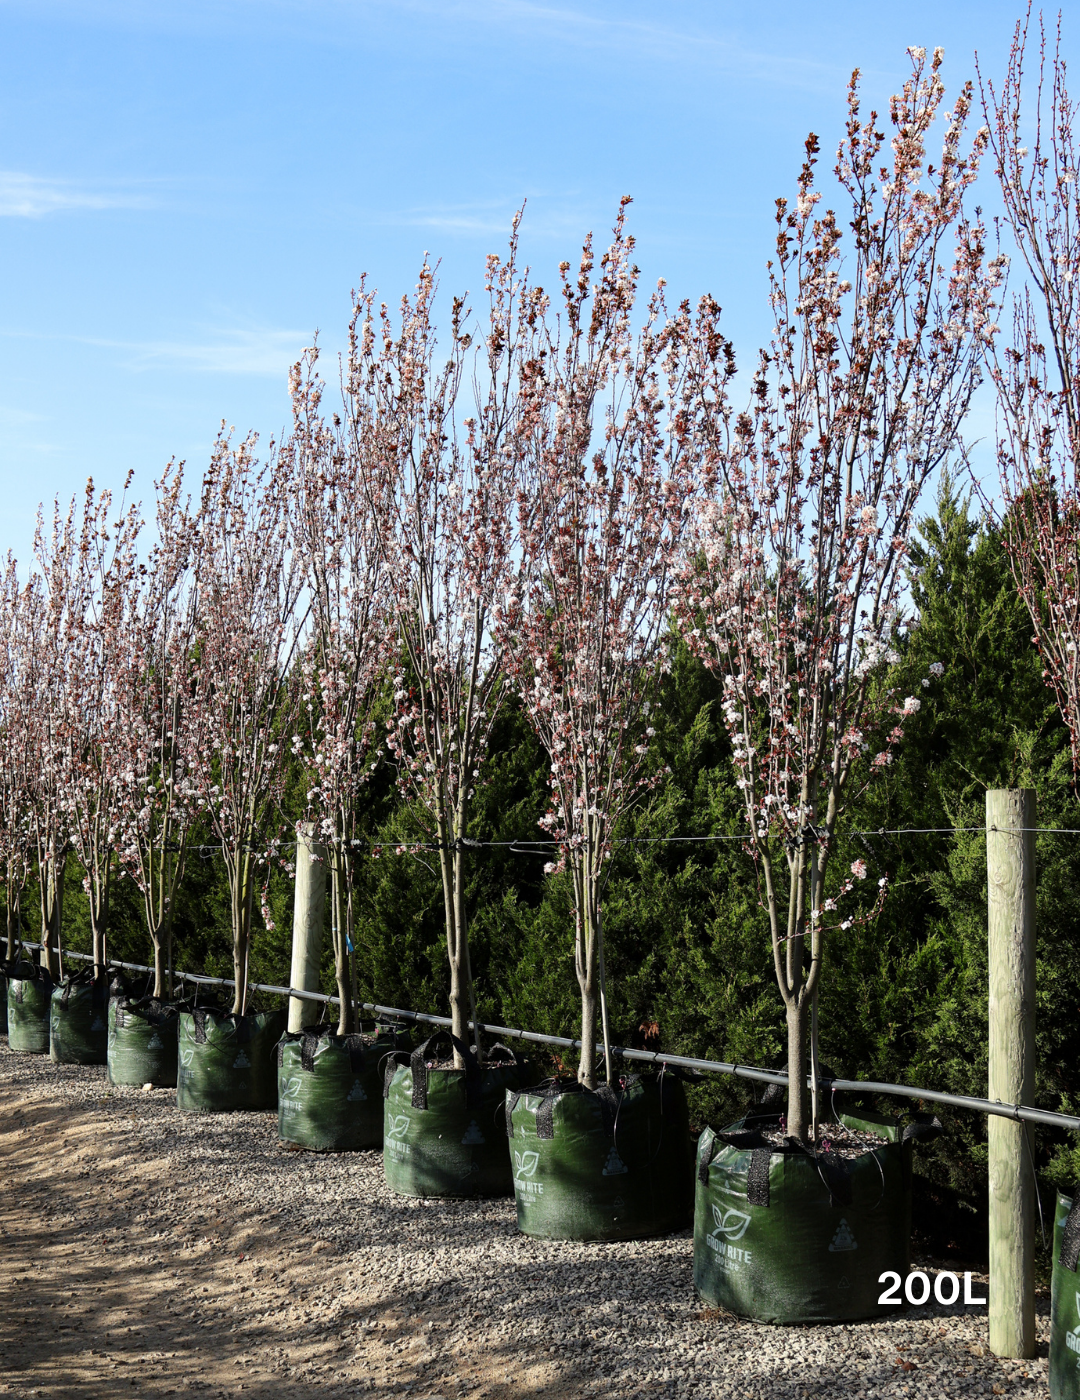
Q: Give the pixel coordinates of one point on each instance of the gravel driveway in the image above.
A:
(153, 1252)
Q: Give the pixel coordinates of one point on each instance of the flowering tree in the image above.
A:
(49, 608)
(248, 629)
(793, 594)
(340, 527)
(1038, 376)
(16, 748)
(96, 626)
(448, 484)
(611, 432)
(153, 661)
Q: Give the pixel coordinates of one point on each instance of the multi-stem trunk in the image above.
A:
(462, 995)
(99, 912)
(242, 893)
(586, 864)
(341, 927)
(14, 919)
(51, 880)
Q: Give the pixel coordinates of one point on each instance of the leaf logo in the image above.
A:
(527, 1163)
(730, 1223)
(292, 1088)
(186, 1057)
(399, 1126)
(1078, 1305)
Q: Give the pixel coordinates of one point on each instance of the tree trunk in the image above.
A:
(587, 1063)
(242, 894)
(14, 922)
(52, 908)
(341, 948)
(99, 920)
(161, 967)
(796, 1029)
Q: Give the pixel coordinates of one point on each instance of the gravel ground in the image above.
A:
(143, 1247)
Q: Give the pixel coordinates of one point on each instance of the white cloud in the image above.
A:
(25, 196)
(253, 351)
(248, 350)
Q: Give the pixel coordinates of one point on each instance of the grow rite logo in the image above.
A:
(396, 1128)
(186, 1057)
(288, 1098)
(731, 1225)
(525, 1164)
(1072, 1339)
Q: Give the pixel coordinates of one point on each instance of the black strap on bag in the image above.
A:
(309, 1043)
(357, 1050)
(609, 1106)
(757, 1178)
(924, 1127)
(392, 1063)
(545, 1118)
(512, 1101)
(420, 1070)
(1070, 1239)
(705, 1156)
(200, 1024)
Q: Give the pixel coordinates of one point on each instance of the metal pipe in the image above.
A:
(760, 1076)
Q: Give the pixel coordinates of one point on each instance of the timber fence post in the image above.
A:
(1010, 883)
(309, 902)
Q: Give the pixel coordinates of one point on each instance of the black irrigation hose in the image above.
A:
(994, 1108)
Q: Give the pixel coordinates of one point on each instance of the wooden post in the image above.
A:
(309, 903)
(1010, 877)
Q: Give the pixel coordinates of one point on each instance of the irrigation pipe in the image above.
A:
(995, 1108)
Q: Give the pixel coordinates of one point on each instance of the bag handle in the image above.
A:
(420, 1070)
(1070, 1239)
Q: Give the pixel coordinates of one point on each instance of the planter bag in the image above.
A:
(6, 970)
(613, 1163)
(1065, 1301)
(783, 1235)
(144, 1041)
(78, 1019)
(28, 993)
(444, 1130)
(228, 1062)
(330, 1088)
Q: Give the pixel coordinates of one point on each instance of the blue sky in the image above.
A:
(188, 191)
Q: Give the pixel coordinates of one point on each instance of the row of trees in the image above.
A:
(536, 507)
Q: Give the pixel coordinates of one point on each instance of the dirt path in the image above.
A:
(117, 1276)
(149, 1252)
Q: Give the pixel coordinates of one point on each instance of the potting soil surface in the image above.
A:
(151, 1252)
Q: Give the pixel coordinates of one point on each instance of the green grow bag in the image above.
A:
(78, 1019)
(144, 1041)
(228, 1062)
(613, 1163)
(29, 990)
(330, 1088)
(784, 1236)
(1065, 1301)
(444, 1130)
(6, 969)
